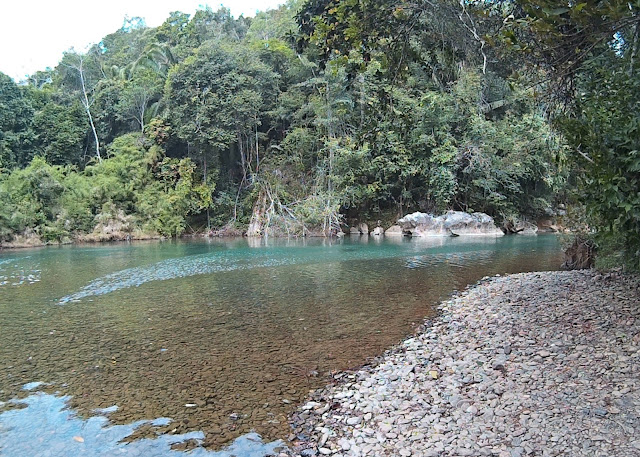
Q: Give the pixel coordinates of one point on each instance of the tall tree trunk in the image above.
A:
(141, 120)
(331, 135)
(257, 151)
(86, 104)
(204, 168)
(634, 49)
(244, 175)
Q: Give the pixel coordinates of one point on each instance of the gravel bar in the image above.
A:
(532, 364)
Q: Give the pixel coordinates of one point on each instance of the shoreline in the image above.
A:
(85, 240)
(525, 364)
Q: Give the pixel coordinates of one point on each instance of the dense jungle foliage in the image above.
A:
(323, 112)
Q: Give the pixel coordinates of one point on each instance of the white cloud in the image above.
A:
(33, 35)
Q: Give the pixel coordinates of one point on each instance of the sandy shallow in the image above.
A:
(532, 364)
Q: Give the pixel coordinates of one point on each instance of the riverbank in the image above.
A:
(537, 364)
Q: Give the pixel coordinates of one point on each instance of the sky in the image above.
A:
(35, 33)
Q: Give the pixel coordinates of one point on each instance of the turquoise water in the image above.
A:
(222, 337)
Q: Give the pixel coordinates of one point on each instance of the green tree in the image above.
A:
(276, 23)
(32, 197)
(208, 24)
(81, 74)
(138, 96)
(588, 53)
(16, 118)
(215, 100)
(60, 129)
(604, 130)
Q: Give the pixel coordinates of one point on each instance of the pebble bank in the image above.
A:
(533, 364)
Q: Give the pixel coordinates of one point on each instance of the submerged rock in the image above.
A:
(452, 223)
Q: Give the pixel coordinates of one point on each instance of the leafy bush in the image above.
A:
(605, 130)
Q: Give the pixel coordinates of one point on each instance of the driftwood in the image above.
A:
(513, 228)
(580, 255)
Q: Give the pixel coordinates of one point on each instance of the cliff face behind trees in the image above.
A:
(311, 114)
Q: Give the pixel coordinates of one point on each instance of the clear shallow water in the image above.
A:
(63, 434)
(223, 337)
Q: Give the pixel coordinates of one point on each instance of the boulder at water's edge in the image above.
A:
(360, 229)
(394, 230)
(451, 223)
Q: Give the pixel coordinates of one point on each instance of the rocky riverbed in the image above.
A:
(533, 364)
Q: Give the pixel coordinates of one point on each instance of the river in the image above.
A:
(196, 344)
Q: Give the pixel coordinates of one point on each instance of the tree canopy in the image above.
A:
(323, 112)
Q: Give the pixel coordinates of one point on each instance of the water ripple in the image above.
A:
(242, 259)
(14, 273)
(171, 269)
(452, 258)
